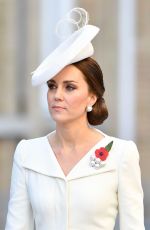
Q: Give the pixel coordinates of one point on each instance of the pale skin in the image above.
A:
(68, 97)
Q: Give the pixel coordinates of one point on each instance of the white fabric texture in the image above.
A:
(85, 199)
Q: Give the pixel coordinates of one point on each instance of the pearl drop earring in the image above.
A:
(89, 108)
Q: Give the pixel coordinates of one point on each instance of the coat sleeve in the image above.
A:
(19, 216)
(130, 193)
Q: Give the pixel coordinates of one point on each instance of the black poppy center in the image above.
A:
(101, 153)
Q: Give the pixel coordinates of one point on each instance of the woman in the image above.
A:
(76, 177)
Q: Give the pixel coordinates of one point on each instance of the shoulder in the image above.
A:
(122, 148)
(29, 147)
(125, 151)
(124, 145)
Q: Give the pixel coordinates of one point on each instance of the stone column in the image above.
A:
(143, 93)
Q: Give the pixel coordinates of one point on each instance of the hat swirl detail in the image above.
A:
(75, 19)
(76, 47)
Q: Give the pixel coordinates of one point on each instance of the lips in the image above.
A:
(57, 107)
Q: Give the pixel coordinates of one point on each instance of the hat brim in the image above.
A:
(65, 54)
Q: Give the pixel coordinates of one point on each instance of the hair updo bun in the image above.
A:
(94, 78)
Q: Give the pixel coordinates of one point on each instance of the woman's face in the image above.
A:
(68, 95)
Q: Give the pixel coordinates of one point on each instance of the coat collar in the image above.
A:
(39, 157)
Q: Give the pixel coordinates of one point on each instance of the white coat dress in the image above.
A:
(43, 198)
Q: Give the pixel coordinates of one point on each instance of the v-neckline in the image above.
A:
(87, 154)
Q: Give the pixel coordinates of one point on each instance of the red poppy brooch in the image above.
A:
(99, 158)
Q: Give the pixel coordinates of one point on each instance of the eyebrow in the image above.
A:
(67, 81)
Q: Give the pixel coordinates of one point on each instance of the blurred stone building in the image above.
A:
(122, 49)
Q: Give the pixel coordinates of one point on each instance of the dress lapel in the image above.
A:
(83, 168)
(40, 158)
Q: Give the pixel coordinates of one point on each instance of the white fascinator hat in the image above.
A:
(76, 47)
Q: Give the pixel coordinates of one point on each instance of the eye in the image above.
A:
(51, 86)
(70, 87)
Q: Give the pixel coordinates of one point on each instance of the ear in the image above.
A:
(92, 99)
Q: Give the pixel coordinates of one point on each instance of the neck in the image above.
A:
(73, 133)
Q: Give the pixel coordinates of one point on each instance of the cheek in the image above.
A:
(79, 99)
(49, 98)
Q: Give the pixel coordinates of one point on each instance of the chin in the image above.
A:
(63, 120)
(60, 119)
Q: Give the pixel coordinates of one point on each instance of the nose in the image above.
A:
(58, 94)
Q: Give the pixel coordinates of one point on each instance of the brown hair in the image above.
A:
(94, 78)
